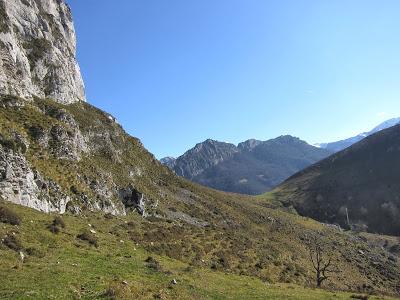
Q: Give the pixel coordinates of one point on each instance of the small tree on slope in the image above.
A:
(321, 261)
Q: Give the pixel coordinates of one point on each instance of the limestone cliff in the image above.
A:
(37, 51)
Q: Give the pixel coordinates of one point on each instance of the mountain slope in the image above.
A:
(343, 144)
(362, 178)
(252, 167)
(168, 161)
(129, 263)
(203, 156)
(88, 164)
(103, 204)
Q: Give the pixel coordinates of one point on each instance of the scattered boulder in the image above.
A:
(133, 200)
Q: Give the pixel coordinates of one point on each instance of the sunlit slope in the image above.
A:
(61, 266)
(193, 225)
(363, 179)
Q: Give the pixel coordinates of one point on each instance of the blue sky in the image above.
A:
(177, 72)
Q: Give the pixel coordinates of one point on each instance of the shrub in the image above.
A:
(36, 132)
(12, 242)
(54, 229)
(8, 216)
(88, 237)
(109, 216)
(4, 19)
(32, 251)
(57, 224)
(38, 48)
(361, 297)
(153, 264)
(58, 221)
(110, 293)
(395, 249)
(120, 291)
(12, 144)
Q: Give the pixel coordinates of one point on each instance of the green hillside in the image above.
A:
(194, 232)
(60, 266)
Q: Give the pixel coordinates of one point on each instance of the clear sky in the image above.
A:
(176, 72)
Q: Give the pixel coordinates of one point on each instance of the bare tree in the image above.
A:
(321, 260)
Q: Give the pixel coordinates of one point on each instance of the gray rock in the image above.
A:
(133, 199)
(67, 144)
(169, 162)
(21, 185)
(253, 167)
(38, 51)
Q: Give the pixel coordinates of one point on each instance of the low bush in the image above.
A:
(32, 251)
(4, 19)
(109, 216)
(8, 216)
(57, 224)
(13, 243)
(88, 237)
(153, 264)
(395, 249)
(360, 297)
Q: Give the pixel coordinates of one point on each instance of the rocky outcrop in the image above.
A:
(249, 145)
(37, 51)
(203, 156)
(66, 144)
(169, 162)
(22, 185)
(134, 200)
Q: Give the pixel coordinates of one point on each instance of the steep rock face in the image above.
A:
(37, 51)
(203, 156)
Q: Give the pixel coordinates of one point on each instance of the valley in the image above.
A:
(87, 212)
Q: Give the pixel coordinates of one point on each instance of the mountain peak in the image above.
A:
(252, 167)
(343, 144)
(249, 144)
(287, 138)
(386, 124)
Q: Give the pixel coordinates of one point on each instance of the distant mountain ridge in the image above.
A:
(252, 167)
(343, 144)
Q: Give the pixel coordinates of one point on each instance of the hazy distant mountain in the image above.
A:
(168, 161)
(252, 167)
(364, 179)
(340, 145)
